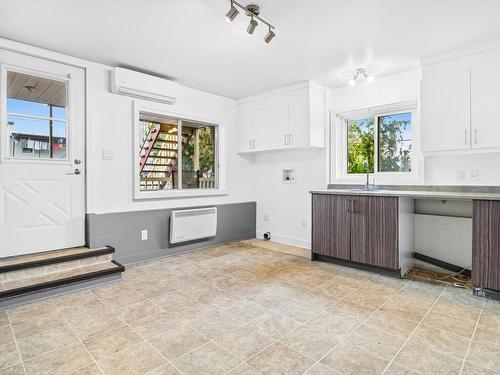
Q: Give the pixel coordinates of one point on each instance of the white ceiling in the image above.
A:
(190, 40)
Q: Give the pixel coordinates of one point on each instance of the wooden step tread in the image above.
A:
(51, 257)
(56, 279)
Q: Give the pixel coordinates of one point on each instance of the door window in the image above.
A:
(36, 117)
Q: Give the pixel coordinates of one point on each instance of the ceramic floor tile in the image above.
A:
(93, 369)
(484, 354)
(216, 324)
(178, 342)
(137, 311)
(62, 361)
(375, 341)
(350, 359)
(244, 369)
(4, 319)
(9, 355)
(393, 325)
(17, 369)
(244, 342)
(112, 341)
(121, 300)
(299, 311)
(320, 369)
(37, 324)
(417, 355)
(245, 310)
(167, 369)
(45, 341)
(95, 325)
(280, 359)
(462, 326)
(274, 325)
(208, 359)
(32, 310)
(395, 369)
(473, 369)
(136, 360)
(443, 340)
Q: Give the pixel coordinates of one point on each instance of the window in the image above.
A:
(36, 117)
(380, 143)
(168, 161)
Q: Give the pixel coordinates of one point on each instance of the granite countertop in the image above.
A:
(417, 191)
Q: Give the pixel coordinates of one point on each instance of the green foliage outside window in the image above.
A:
(394, 144)
(207, 152)
(360, 145)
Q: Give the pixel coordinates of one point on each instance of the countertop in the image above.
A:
(417, 191)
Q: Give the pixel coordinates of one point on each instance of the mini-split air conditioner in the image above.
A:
(143, 86)
(189, 225)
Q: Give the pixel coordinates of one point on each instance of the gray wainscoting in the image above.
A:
(235, 221)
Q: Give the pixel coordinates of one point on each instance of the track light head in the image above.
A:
(351, 82)
(251, 26)
(269, 36)
(360, 75)
(232, 13)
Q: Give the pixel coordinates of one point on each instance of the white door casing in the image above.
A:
(42, 201)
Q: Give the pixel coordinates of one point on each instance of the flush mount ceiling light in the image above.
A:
(360, 76)
(253, 12)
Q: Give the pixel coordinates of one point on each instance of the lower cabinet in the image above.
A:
(486, 245)
(362, 229)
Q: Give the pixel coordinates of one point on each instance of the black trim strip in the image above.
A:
(361, 266)
(486, 293)
(61, 282)
(442, 264)
(60, 259)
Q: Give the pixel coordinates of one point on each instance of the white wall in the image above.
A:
(110, 127)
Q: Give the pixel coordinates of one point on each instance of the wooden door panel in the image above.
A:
(330, 226)
(359, 229)
(486, 244)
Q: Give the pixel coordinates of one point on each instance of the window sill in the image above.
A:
(187, 193)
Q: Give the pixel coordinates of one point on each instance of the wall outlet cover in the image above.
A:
(107, 155)
(288, 176)
(144, 235)
(266, 217)
(474, 175)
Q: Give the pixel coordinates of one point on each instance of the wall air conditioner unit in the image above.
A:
(189, 225)
(143, 86)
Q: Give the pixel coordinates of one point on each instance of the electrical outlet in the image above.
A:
(474, 175)
(107, 155)
(144, 235)
(304, 223)
(266, 217)
(460, 175)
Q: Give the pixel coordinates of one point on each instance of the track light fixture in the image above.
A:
(232, 13)
(253, 12)
(360, 75)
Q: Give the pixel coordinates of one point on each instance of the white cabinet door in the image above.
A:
(445, 108)
(278, 123)
(260, 129)
(298, 126)
(485, 102)
(245, 123)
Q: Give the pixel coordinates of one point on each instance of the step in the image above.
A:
(39, 264)
(21, 291)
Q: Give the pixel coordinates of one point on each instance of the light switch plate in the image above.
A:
(144, 235)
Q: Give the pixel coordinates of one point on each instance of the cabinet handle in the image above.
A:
(286, 140)
(466, 143)
(353, 209)
(346, 206)
(290, 139)
(253, 144)
(475, 136)
(250, 144)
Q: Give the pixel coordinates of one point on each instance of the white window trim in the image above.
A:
(338, 146)
(156, 108)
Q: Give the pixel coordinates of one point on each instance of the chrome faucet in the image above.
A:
(368, 186)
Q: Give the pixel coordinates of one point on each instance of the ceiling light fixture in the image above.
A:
(232, 13)
(251, 26)
(362, 76)
(253, 12)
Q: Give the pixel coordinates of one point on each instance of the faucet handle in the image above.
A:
(373, 181)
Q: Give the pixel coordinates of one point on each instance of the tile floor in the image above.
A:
(245, 309)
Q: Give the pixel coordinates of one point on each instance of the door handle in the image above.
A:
(286, 140)
(250, 144)
(253, 144)
(475, 136)
(77, 171)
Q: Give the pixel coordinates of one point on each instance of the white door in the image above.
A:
(278, 122)
(485, 101)
(245, 120)
(298, 127)
(260, 129)
(42, 172)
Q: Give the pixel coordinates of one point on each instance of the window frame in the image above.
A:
(5, 156)
(158, 109)
(339, 138)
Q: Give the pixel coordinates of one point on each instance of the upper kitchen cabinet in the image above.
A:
(459, 98)
(289, 118)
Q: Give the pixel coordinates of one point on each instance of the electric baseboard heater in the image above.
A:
(190, 225)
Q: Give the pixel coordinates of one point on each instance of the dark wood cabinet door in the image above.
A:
(330, 225)
(374, 231)
(486, 244)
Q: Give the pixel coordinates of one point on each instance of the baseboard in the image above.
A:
(287, 240)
